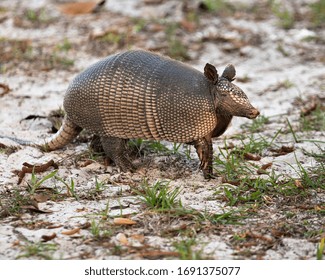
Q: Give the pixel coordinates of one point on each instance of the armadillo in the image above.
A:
(140, 94)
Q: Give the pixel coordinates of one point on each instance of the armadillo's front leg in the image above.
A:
(204, 150)
(116, 149)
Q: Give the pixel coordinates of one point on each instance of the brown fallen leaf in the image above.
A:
(311, 106)
(228, 146)
(5, 89)
(86, 163)
(260, 236)
(15, 243)
(262, 169)
(33, 206)
(124, 221)
(85, 225)
(30, 168)
(188, 25)
(277, 233)
(71, 232)
(298, 184)
(266, 166)
(77, 8)
(138, 237)
(250, 156)
(41, 197)
(54, 226)
(81, 209)
(158, 254)
(121, 237)
(283, 150)
(46, 238)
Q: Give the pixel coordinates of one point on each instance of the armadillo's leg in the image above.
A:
(204, 150)
(67, 132)
(116, 149)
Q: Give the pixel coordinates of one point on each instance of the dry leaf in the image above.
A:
(158, 254)
(138, 237)
(122, 238)
(86, 163)
(260, 236)
(71, 232)
(310, 106)
(16, 243)
(124, 221)
(188, 25)
(54, 226)
(5, 89)
(283, 150)
(81, 209)
(266, 166)
(263, 168)
(78, 8)
(250, 156)
(298, 184)
(46, 238)
(41, 197)
(85, 225)
(33, 206)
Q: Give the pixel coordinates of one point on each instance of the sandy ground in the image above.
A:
(282, 71)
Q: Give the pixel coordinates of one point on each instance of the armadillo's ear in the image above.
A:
(229, 73)
(211, 73)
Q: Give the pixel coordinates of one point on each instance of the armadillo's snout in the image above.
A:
(253, 114)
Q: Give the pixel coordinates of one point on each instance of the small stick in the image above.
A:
(30, 168)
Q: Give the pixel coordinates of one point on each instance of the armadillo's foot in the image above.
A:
(96, 144)
(204, 150)
(116, 149)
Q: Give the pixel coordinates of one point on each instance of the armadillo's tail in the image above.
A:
(68, 131)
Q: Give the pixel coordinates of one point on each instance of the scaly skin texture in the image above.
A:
(139, 94)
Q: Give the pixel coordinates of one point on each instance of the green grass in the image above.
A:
(218, 6)
(159, 196)
(185, 249)
(99, 231)
(37, 16)
(139, 24)
(320, 249)
(257, 125)
(38, 250)
(113, 37)
(315, 121)
(232, 164)
(13, 204)
(148, 146)
(318, 13)
(71, 190)
(286, 18)
(34, 183)
(231, 167)
(176, 49)
(65, 45)
(313, 178)
(320, 157)
(56, 59)
(254, 145)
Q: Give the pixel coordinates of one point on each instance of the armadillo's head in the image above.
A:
(230, 99)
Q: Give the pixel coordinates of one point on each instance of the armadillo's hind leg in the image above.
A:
(204, 150)
(67, 132)
(116, 149)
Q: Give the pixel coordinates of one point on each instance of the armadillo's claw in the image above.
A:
(115, 149)
(204, 150)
